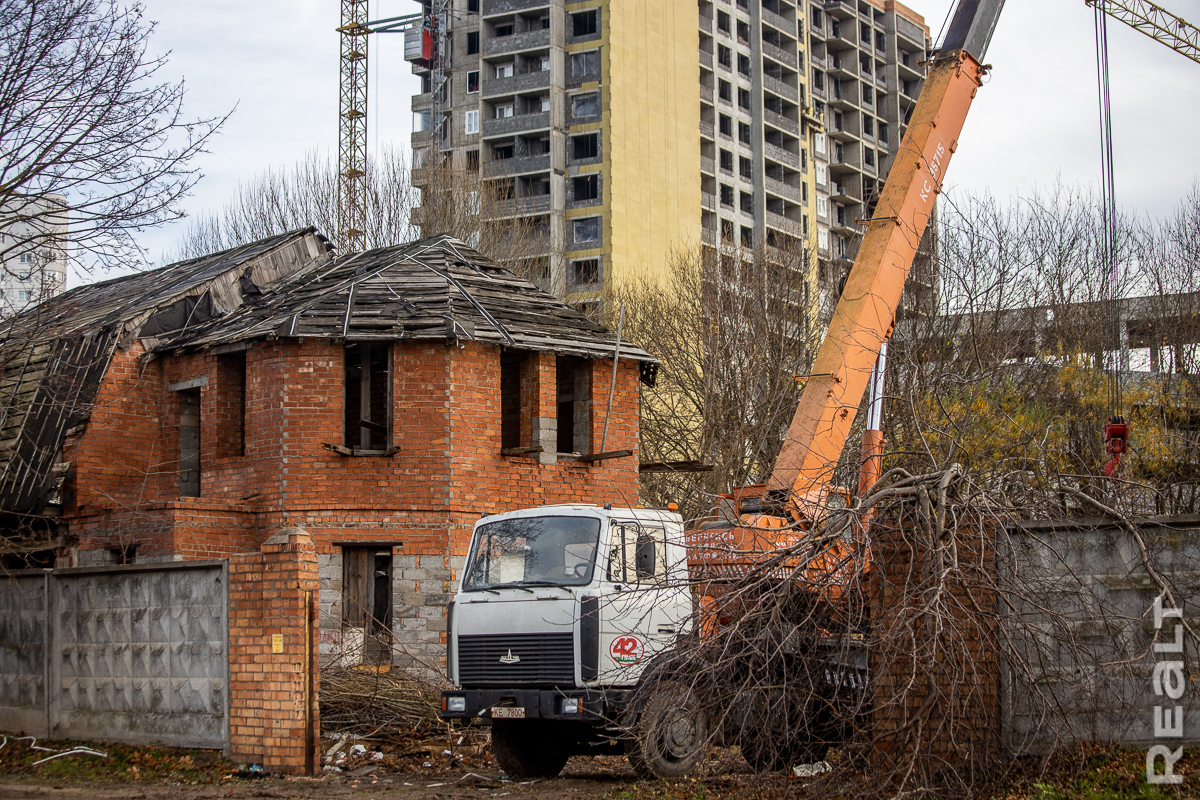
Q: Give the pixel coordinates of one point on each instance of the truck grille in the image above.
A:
(523, 659)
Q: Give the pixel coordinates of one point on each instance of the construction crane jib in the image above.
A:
(866, 312)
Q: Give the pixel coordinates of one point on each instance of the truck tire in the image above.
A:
(671, 733)
(528, 749)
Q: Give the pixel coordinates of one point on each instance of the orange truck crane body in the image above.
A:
(799, 489)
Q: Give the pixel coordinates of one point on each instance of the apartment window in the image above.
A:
(883, 132)
(822, 207)
(504, 70)
(868, 95)
(26, 258)
(585, 23)
(818, 80)
(543, 103)
(806, 223)
(822, 239)
(189, 442)
(869, 156)
(744, 98)
(544, 64)
(804, 192)
(822, 174)
(744, 132)
(747, 202)
(585, 272)
(819, 142)
(747, 237)
(472, 81)
(743, 64)
(367, 602)
(574, 391)
(725, 123)
(725, 91)
(472, 43)
(511, 401)
(540, 147)
(473, 156)
(584, 65)
(585, 105)
(723, 22)
(724, 56)
(368, 395)
(727, 161)
(472, 6)
(504, 111)
(230, 405)
(502, 152)
(804, 159)
(505, 29)
(23, 295)
(868, 126)
(743, 31)
(471, 122)
(585, 146)
(727, 195)
(585, 187)
(746, 167)
(586, 230)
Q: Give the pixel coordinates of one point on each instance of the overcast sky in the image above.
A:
(1034, 121)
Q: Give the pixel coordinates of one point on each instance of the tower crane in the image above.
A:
(1156, 22)
(424, 32)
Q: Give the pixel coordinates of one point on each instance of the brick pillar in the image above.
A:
(934, 677)
(539, 392)
(273, 673)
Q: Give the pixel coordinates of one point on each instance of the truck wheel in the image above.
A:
(671, 734)
(527, 749)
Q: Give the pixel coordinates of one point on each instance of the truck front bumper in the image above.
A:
(560, 704)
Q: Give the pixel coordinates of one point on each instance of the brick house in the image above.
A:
(380, 400)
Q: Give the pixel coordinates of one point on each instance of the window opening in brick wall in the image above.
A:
(585, 146)
(511, 401)
(230, 410)
(574, 393)
(367, 603)
(189, 442)
(585, 187)
(472, 43)
(585, 64)
(368, 396)
(585, 272)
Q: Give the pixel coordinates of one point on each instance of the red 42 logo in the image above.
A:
(626, 649)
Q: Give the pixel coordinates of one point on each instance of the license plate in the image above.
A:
(508, 712)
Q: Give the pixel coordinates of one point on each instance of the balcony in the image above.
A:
(844, 193)
(777, 153)
(780, 88)
(842, 38)
(524, 206)
(517, 166)
(781, 122)
(843, 67)
(706, 25)
(812, 117)
(706, 94)
(706, 130)
(781, 223)
(783, 190)
(524, 123)
(706, 60)
(708, 165)
(517, 43)
(781, 55)
(708, 201)
(840, 9)
(778, 22)
(517, 84)
(495, 8)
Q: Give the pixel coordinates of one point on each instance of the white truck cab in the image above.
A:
(559, 611)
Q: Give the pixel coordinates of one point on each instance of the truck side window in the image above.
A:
(637, 554)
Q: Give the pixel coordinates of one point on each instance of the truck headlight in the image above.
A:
(456, 704)
(572, 705)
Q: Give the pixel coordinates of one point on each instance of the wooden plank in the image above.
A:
(605, 456)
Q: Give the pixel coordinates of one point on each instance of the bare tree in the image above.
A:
(731, 328)
(403, 203)
(89, 132)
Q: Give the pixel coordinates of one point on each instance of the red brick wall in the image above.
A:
(273, 712)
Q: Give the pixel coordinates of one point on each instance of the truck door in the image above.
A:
(644, 599)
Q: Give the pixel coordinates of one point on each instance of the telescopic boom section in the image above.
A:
(866, 311)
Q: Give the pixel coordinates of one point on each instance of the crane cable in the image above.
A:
(1115, 428)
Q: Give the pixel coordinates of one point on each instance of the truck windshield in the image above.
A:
(557, 551)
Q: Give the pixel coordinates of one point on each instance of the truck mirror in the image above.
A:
(645, 556)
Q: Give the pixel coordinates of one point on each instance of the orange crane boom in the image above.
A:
(866, 312)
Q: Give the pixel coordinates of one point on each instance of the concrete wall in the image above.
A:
(1077, 608)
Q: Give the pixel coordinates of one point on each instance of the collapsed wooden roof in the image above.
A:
(55, 356)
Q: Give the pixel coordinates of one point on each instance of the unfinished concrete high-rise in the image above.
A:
(630, 129)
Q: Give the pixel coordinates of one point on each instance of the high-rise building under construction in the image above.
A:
(633, 129)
